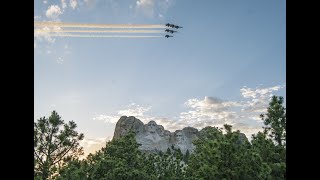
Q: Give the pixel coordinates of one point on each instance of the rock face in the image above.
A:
(125, 124)
(154, 138)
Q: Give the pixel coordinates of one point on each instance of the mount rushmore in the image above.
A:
(154, 138)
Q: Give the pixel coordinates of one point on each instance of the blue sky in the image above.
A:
(221, 67)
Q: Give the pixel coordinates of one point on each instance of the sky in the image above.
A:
(221, 67)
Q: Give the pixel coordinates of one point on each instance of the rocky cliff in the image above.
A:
(153, 137)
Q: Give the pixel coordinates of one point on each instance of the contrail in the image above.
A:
(99, 31)
(101, 36)
(80, 25)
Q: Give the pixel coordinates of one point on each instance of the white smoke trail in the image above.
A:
(80, 25)
(98, 31)
(100, 36)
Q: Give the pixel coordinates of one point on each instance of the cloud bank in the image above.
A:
(210, 111)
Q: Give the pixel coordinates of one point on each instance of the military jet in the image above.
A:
(170, 31)
(170, 25)
(167, 36)
(177, 27)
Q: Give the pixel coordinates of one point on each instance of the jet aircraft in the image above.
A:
(170, 31)
(177, 27)
(170, 25)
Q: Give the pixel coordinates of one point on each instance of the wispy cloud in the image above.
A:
(43, 33)
(258, 99)
(73, 4)
(36, 17)
(259, 92)
(63, 4)
(153, 8)
(134, 110)
(131, 110)
(243, 115)
(40, 35)
(107, 118)
(60, 60)
(91, 145)
(210, 110)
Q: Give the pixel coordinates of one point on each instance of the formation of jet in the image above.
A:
(170, 25)
(177, 27)
(171, 31)
(173, 26)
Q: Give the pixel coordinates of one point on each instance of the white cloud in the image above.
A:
(140, 113)
(73, 4)
(60, 60)
(45, 2)
(107, 118)
(259, 102)
(37, 17)
(146, 6)
(151, 8)
(41, 34)
(209, 111)
(244, 116)
(249, 93)
(132, 110)
(53, 12)
(63, 4)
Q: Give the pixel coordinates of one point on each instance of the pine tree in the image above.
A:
(54, 147)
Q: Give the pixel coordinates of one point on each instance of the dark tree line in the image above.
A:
(217, 155)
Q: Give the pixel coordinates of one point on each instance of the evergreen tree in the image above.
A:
(275, 120)
(53, 146)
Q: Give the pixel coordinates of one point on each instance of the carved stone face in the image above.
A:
(166, 135)
(151, 127)
(179, 137)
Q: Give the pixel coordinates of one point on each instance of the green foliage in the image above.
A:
(275, 120)
(120, 159)
(167, 165)
(220, 153)
(75, 170)
(55, 144)
(221, 156)
(273, 154)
